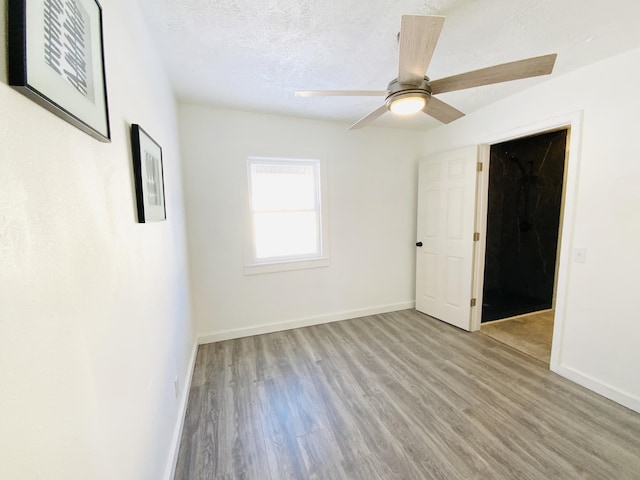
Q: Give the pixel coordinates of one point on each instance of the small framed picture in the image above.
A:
(149, 176)
(56, 58)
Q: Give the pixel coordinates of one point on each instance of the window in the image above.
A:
(285, 204)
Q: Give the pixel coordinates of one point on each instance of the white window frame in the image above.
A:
(253, 265)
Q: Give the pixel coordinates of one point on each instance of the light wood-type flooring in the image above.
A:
(531, 333)
(395, 396)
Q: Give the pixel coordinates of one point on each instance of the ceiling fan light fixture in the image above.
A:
(407, 105)
(407, 99)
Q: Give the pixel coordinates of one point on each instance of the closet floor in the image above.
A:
(530, 334)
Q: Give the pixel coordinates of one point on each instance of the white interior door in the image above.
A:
(446, 220)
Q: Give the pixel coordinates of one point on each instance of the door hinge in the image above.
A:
(479, 166)
(476, 237)
(473, 302)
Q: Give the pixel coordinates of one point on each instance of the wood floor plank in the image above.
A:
(191, 441)
(414, 450)
(215, 457)
(249, 457)
(285, 460)
(321, 457)
(363, 392)
(538, 419)
(440, 420)
(395, 396)
(454, 427)
(416, 409)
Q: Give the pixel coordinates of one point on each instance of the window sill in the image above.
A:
(274, 267)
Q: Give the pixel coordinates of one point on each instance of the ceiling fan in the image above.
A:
(412, 91)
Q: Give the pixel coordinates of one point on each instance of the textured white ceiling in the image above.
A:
(253, 55)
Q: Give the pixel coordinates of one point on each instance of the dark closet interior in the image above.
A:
(523, 219)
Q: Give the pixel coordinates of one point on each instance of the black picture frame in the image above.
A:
(56, 58)
(149, 176)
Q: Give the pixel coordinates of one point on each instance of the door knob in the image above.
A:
(418, 244)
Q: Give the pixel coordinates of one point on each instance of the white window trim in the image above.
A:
(253, 266)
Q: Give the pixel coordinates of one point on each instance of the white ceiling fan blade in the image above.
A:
(342, 93)
(418, 38)
(366, 120)
(442, 111)
(530, 67)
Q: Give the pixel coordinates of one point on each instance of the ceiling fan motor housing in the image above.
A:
(402, 90)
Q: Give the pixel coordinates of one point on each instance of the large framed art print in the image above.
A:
(56, 58)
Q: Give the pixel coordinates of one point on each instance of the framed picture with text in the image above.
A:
(149, 176)
(56, 58)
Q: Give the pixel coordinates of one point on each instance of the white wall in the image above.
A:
(94, 308)
(372, 206)
(601, 318)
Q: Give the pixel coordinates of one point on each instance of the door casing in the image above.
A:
(572, 122)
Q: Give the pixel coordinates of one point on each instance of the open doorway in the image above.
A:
(524, 209)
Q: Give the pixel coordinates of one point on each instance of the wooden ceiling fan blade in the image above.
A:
(342, 93)
(530, 67)
(418, 39)
(442, 111)
(366, 120)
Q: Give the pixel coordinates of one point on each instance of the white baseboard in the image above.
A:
(603, 389)
(302, 322)
(170, 469)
